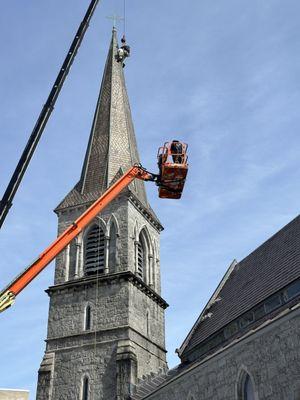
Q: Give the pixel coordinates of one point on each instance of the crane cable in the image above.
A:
(97, 271)
(124, 18)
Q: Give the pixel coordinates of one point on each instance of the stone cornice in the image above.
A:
(89, 336)
(108, 278)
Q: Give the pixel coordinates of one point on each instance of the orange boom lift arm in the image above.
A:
(8, 295)
(174, 180)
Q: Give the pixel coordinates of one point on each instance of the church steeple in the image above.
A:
(106, 313)
(112, 147)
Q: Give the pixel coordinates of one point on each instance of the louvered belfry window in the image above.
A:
(140, 260)
(94, 251)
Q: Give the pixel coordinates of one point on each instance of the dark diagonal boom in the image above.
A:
(7, 199)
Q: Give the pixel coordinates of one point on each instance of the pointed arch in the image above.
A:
(155, 268)
(85, 387)
(148, 323)
(141, 258)
(135, 232)
(100, 221)
(113, 248)
(94, 248)
(72, 259)
(145, 231)
(87, 317)
(135, 246)
(143, 254)
(97, 221)
(245, 385)
(113, 220)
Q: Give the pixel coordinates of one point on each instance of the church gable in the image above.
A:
(264, 281)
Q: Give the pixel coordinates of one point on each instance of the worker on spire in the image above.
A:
(123, 51)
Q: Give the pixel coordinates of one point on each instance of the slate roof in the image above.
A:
(149, 383)
(269, 268)
(112, 144)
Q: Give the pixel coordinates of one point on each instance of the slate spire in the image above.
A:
(112, 147)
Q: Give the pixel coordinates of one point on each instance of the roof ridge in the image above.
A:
(150, 382)
(270, 238)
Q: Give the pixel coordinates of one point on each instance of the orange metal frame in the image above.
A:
(173, 171)
(19, 283)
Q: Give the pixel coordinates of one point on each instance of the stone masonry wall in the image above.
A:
(97, 362)
(122, 311)
(123, 316)
(150, 357)
(146, 317)
(271, 356)
(142, 307)
(67, 308)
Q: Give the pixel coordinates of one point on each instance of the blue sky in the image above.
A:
(221, 75)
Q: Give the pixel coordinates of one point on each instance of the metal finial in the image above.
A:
(115, 18)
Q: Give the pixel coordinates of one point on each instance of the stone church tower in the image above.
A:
(106, 315)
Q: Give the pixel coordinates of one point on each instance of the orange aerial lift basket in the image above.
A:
(173, 168)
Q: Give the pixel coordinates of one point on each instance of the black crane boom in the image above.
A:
(7, 199)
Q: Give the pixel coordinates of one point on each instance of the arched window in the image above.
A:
(72, 259)
(142, 256)
(148, 323)
(248, 389)
(94, 251)
(155, 269)
(87, 318)
(85, 388)
(141, 260)
(112, 259)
